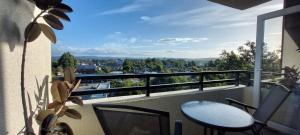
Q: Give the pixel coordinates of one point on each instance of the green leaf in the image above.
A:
(61, 110)
(76, 85)
(76, 100)
(32, 32)
(73, 114)
(42, 4)
(42, 114)
(63, 7)
(59, 14)
(66, 128)
(69, 74)
(48, 32)
(55, 2)
(63, 91)
(53, 22)
(68, 84)
(54, 104)
(59, 91)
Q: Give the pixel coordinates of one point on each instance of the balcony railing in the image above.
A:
(149, 88)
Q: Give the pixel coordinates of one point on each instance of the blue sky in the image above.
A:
(161, 28)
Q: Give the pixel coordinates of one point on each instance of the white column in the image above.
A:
(259, 46)
(258, 60)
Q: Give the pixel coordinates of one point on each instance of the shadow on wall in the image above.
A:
(13, 21)
(14, 16)
(41, 99)
(10, 32)
(2, 99)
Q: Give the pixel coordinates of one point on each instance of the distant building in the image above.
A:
(116, 72)
(86, 69)
(95, 86)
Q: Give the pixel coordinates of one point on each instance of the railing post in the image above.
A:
(147, 86)
(248, 78)
(201, 86)
(237, 79)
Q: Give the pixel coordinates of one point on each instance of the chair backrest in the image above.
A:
(130, 120)
(271, 103)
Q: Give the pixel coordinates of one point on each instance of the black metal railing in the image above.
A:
(148, 88)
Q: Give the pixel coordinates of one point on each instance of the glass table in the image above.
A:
(217, 116)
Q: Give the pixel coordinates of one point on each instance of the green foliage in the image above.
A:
(67, 60)
(159, 65)
(127, 83)
(244, 60)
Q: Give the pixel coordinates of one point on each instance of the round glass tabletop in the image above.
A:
(217, 115)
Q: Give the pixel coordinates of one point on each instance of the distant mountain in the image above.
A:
(122, 58)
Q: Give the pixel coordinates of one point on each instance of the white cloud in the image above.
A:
(132, 40)
(215, 16)
(182, 40)
(145, 18)
(136, 5)
(129, 52)
(136, 47)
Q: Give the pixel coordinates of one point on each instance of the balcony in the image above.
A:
(169, 101)
(16, 15)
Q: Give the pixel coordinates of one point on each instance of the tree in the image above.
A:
(67, 60)
(244, 59)
(128, 66)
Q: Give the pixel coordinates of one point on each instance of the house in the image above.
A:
(86, 69)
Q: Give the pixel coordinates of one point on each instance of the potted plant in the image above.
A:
(291, 78)
(291, 81)
(61, 93)
(51, 11)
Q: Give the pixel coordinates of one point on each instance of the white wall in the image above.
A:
(168, 101)
(14, 16)
(290, 56)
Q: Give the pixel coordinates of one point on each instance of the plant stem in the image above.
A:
(23, 89)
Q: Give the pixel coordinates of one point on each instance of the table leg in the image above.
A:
(211, 131)
(220, 132)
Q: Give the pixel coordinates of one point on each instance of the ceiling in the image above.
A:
(240, 4)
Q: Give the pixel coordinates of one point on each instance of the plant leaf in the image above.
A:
(76, 85)
(47, 124)
(54, 104)
(54, 2)
(53, 22)
(76, 100)
(62, 111)
(67, 129)
(42, 114)
(63, 91)
(59, 91)
(73, 114)
(55, 91)
(69, 85)
(69, 74)
(48, 32)
(32, 32)
(59, 14)
(63, 7)
(42, 4)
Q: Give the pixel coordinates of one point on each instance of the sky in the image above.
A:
(161, 28)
